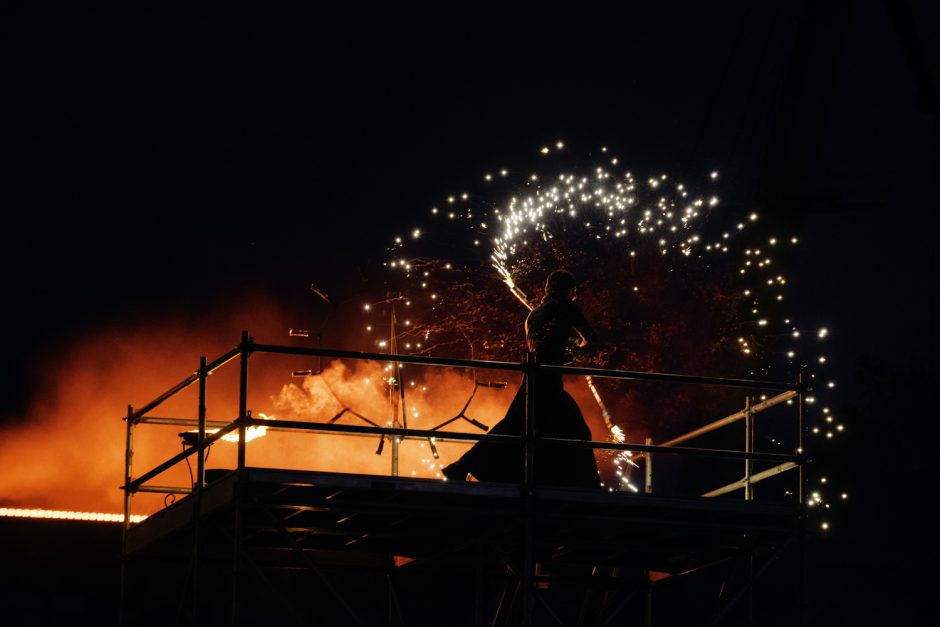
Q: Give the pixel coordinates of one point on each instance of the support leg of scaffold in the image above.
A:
(588, 600)
(804, 575)
(478, 588)
(548, 608)
(503, 599)
(619, 608)
(236, 549)
(733, 601)
(198, 489)
(240, 476)
(394, 607)
(276, 590)
(750, 590)
(128, 475)
(299, 552)
(528, 496)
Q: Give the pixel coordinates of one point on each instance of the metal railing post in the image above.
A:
(529, 427)
(243, 398)
(128, 476)
(748, 448)
(801, 396)
(244, 352)
(528, 491)
(200, 484)
(648, 469)
(802, 531)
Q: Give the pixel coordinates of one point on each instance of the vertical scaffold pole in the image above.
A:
(200, 483)
(128, 474)
(396, 397)
(804, 548)
(748, 448)
(243, 399)
(528, 492)
(245, 347)
(801, 386)
(750, 588)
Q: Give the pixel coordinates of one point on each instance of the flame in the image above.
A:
(251, 433)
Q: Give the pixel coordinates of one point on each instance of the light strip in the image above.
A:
(15, 512)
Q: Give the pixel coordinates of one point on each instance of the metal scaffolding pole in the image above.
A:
(128, 475)
(198, 487)
(528, 493)
(748, 448)
(245, 351)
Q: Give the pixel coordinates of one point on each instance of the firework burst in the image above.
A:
(672, 281)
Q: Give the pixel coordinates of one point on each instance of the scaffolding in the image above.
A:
(252, 545)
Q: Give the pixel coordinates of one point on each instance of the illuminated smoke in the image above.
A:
(67, 452)
(433, 396)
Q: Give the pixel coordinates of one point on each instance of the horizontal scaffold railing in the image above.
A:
(247, 347)
(244, 421)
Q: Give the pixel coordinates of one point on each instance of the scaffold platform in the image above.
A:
(355, 539)
(254, 545)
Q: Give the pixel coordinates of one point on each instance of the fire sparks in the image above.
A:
(650, 253)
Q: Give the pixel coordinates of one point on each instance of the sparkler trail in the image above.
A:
(672, 280)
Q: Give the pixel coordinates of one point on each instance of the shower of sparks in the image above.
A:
(671, 279)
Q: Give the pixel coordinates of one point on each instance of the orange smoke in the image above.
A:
(68, 452)
(432, 396)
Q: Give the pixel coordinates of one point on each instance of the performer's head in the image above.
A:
(560, 283)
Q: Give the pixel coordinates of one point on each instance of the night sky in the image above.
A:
(167, 162)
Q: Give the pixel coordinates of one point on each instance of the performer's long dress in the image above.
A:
(557, 415)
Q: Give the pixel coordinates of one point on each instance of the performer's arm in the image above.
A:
(586, 333)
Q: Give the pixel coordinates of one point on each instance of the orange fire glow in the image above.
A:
(68, 453)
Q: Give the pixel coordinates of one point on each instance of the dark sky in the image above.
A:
(162, 159)
(156, 157)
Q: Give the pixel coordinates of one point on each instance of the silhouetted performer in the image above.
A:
(548, 330)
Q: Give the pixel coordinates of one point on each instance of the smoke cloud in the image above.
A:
(68, 451)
